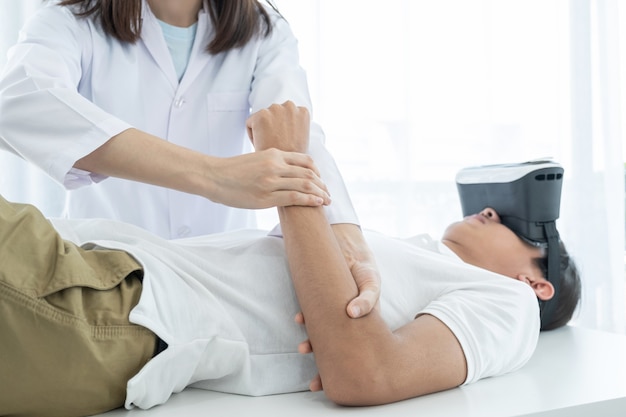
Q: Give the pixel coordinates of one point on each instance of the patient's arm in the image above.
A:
(286, 127)
(361, 362)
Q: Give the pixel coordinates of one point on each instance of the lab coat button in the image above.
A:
(184, 231)
(180, 102)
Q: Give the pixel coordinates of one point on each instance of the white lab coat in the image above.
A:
(68, 88)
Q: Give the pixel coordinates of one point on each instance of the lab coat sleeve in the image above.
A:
(278, 77)
(43, 118)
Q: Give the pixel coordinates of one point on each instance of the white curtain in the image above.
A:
(411, 91)
(596, 197)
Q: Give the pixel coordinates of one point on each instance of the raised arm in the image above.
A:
(361, 362)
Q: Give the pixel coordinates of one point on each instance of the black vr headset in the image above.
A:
(527, 197)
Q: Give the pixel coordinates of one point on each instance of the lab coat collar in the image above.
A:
(199, 58)
(152, 38)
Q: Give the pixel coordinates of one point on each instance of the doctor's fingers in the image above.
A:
(303, 347)
(288, 176)
(299, 318)
(316, 384)
(283, 198)
(300, 160)
(302, 180)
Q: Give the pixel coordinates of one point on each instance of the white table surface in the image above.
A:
(574, 372)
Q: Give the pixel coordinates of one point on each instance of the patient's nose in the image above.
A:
(490, 214)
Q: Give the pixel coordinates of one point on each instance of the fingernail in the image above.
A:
(356, 311)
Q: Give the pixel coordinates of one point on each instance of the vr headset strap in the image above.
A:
(554, 255)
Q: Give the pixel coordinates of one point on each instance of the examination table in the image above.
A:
(575, 372)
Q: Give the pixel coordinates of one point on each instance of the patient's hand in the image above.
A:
(281, 126)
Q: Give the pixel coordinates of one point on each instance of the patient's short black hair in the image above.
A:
(568, 297)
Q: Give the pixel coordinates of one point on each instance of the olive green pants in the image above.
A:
(66, 345)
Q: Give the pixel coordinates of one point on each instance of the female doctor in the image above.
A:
(139, 107)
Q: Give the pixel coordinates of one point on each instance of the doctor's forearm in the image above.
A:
(257, 180)
(139, 156)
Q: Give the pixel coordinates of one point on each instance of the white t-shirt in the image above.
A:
(225, 305)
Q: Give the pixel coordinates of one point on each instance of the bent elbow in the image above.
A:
(358, 388)
(348, 396)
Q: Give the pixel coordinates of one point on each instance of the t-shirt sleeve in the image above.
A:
(496, 322)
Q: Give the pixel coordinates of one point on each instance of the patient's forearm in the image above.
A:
(318, 267)
(343, 347)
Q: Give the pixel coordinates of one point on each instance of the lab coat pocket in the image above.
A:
(228, 102)
(227, 114)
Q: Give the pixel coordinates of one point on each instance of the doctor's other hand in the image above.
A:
(362, 264)
(305, 348)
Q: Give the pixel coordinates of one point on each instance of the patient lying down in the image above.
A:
(98, 314)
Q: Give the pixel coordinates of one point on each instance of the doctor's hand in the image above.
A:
(362, 264)
(305, 348)
(270, 178)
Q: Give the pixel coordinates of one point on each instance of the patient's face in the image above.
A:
(482, 240)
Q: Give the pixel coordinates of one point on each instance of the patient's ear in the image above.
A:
(541, 286)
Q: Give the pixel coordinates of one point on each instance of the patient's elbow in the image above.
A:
(348, 395)
(357, 387)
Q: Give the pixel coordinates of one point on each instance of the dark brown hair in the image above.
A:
(568, 297)
(235, 21)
